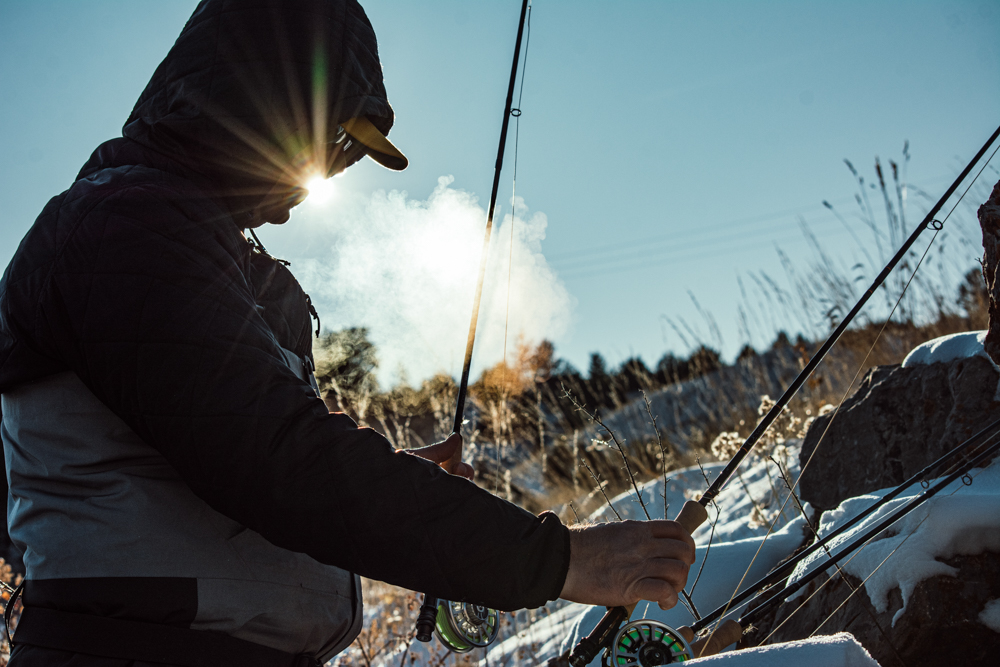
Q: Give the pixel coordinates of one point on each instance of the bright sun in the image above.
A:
(320, 190)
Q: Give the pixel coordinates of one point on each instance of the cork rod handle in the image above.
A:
(692, 515)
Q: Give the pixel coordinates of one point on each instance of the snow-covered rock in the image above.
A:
(839, 650)
(934, 574)
(990, 615)
(948, 348)
(962, 519)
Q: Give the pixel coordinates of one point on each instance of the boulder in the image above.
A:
(898, 421)
(940, 625)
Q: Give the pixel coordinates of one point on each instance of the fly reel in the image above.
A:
(463, 626)
(646, 643)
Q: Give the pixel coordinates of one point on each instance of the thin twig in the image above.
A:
(708, 481)
(575, 515)
(600, 487)
(409, 643)
(663, 453)
(594, 417)
(746, 490)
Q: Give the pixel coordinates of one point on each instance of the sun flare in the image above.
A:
(320, 189)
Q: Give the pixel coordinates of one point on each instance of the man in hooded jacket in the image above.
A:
(180, 492)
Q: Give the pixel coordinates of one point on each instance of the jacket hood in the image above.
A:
(252, 90)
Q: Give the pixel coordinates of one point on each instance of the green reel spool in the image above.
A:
(463, 626)
(646, 643)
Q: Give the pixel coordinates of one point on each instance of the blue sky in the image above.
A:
(669, 145)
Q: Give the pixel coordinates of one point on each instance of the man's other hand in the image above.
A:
(619, 564)
(448, 455)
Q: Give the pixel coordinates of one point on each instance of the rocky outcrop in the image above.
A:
(989, 222)
(939, 626)
(896, 423)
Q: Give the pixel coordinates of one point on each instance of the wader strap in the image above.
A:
(148, 642)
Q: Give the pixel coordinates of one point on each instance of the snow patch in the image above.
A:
(735, 545)
(990, 615)
(959, 520)
(839, 650)
(949, 348)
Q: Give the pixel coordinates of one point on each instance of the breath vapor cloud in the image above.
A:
(407, 270)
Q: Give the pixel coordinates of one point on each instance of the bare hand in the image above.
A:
(448, 455)
(618, 564)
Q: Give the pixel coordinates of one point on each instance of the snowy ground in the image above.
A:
(737, 550)
(962, 519)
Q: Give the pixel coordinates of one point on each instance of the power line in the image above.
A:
(693, 231)
(685, 253)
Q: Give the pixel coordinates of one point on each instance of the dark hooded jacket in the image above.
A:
(158, 412)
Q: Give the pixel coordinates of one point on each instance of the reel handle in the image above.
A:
(427, 618)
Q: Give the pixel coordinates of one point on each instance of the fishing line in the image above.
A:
(516, 113)
(827, 429)
(966, 454)
(819, 588)
(966, 457)
(708, 549)
(884, 560)
(694, 513)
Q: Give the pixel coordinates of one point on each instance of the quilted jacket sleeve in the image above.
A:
(153, 311)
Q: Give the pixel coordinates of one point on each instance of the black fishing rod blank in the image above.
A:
(782, 571)
(463, 629)
(463, 386)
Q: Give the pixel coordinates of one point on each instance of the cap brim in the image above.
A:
(379, 147)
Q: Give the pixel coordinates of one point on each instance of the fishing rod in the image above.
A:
(694, 513)
(785, 569)
(465, 626)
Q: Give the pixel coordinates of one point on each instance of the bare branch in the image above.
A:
(594, 417)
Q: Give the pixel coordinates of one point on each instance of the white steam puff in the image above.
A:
(407, 270)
